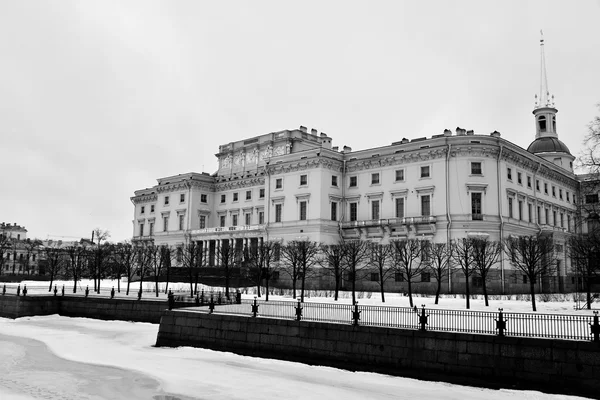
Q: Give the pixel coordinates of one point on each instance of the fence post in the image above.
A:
(355, 315)
(112, 293)
(596, 328)
(87, 291)
(24, 290)
(423, 318)
(202, 298)
(298, 311)
(171, 299)
(238, 297)
(4, 290)
(500, 323)
(211, 305)
(63, 290)
(255, 308)
(55, 290)
(19, 290)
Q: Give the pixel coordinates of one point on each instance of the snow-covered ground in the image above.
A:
(55, 357)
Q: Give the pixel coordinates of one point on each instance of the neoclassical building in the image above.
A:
(295, 184)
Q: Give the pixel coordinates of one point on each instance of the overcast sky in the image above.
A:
(100, 98)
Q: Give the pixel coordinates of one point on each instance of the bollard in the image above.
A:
(55, 290)
(211, 305)
(197, 299)
(4, 290)
(63, 290)
(255, 308)
(238, 297)
(24, 290)
(423, 318)
(298, 311)
(171, 300)
(112, 293)
(87, 291)
(18, 290)
(355, 315)
(596, 328)
(500, 323)
(140, 294)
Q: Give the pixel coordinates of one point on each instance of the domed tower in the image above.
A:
(546, 143)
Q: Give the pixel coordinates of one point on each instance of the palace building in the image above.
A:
(295, 184)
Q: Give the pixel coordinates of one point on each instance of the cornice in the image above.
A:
(239, 183)
(397, 159)
(302, 165)
(146, 198)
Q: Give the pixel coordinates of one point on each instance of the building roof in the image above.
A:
(548, 144)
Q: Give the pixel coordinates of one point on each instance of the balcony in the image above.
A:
(221, 230)
(393, 226)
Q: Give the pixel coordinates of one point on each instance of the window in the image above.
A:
(542, 125)
(142, 209)
(278, 208)
(568, 199)
(374, 277)
(179, 255)
(539, 214)
(234, 219)
(334, 211)
(399, 277)
(399, 175)
(165, 224)
(223, 198)
(261, 217)
(426, 205)
(152, 208)
(509, 174)
(425, 171)
(151, 233)
(141, 229)
(568, 223)
(545, 188)
(519, 178)
(537, 185)
(222, 221)
(235, 196)
(591, 198)
(476, 206)
(553, 191)
(279, 183)
(425, 277)
(375, 178)
(353, 211)
(375, 209)
(303, 211)
(529, 182)
(182, 197)
(166, 200)
(202, 221)
(554, 221)
(529, 209)
(475, 168)
(547, 215)
(247, 217)
(203, 198)
(520, 210)
(334, 180)
(510, 207)
(400, 207)
(248, 194)
(181, 219)
(560, 194)
(353, 181)
(303, 180)
(562, 220)
(261, 193)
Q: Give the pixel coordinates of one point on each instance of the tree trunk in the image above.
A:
(227, 273)
(51, 279)
(381, 287)
(156, 285)
(410, 299)
(588, 290)
(267, 288)
(532, 291)
(467, 292)
(196, 283)
(168, 277)
(119, 283)
(74, 283)
(337, 288)
(302, 288)
(141, 281)
(485, 296)
(353, 289)
(294, 279)
(128, 283)
(438, 290)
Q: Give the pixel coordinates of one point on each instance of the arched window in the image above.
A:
(542, 123)
(553, 124)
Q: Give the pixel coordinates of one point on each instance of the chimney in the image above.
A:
(313, 132)
(404, 140)
(335, 148)
(495, 134)
(323, 134)
(347, 149)
(447, 132)
(470, 132)
(460, 131)
(303, 128)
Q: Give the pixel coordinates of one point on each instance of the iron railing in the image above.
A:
(533, 325)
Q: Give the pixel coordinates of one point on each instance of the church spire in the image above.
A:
(544, 99)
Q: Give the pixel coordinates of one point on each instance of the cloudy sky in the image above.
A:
(100, 98)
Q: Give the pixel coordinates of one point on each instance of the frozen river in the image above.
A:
(57, 357)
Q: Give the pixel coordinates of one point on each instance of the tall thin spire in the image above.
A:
(544, 99)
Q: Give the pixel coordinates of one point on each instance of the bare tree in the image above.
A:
(585, 252)
(463, 254)
(192, 257)
(159, 259)
(381, 260)
(99, 256)
(355, 261)
(5, 245)
(55, 257)
(31, 249)
(439, 264)
(333, 262)
(77, 261)
(532, 255)
(227, 257)
(124, 255)
(487, 254)
(144, 256)
(289, 254)
(261, 263)
(589, 159)
(406, 255)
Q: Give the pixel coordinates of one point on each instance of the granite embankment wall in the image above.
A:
(92, 307)
(558, 366)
